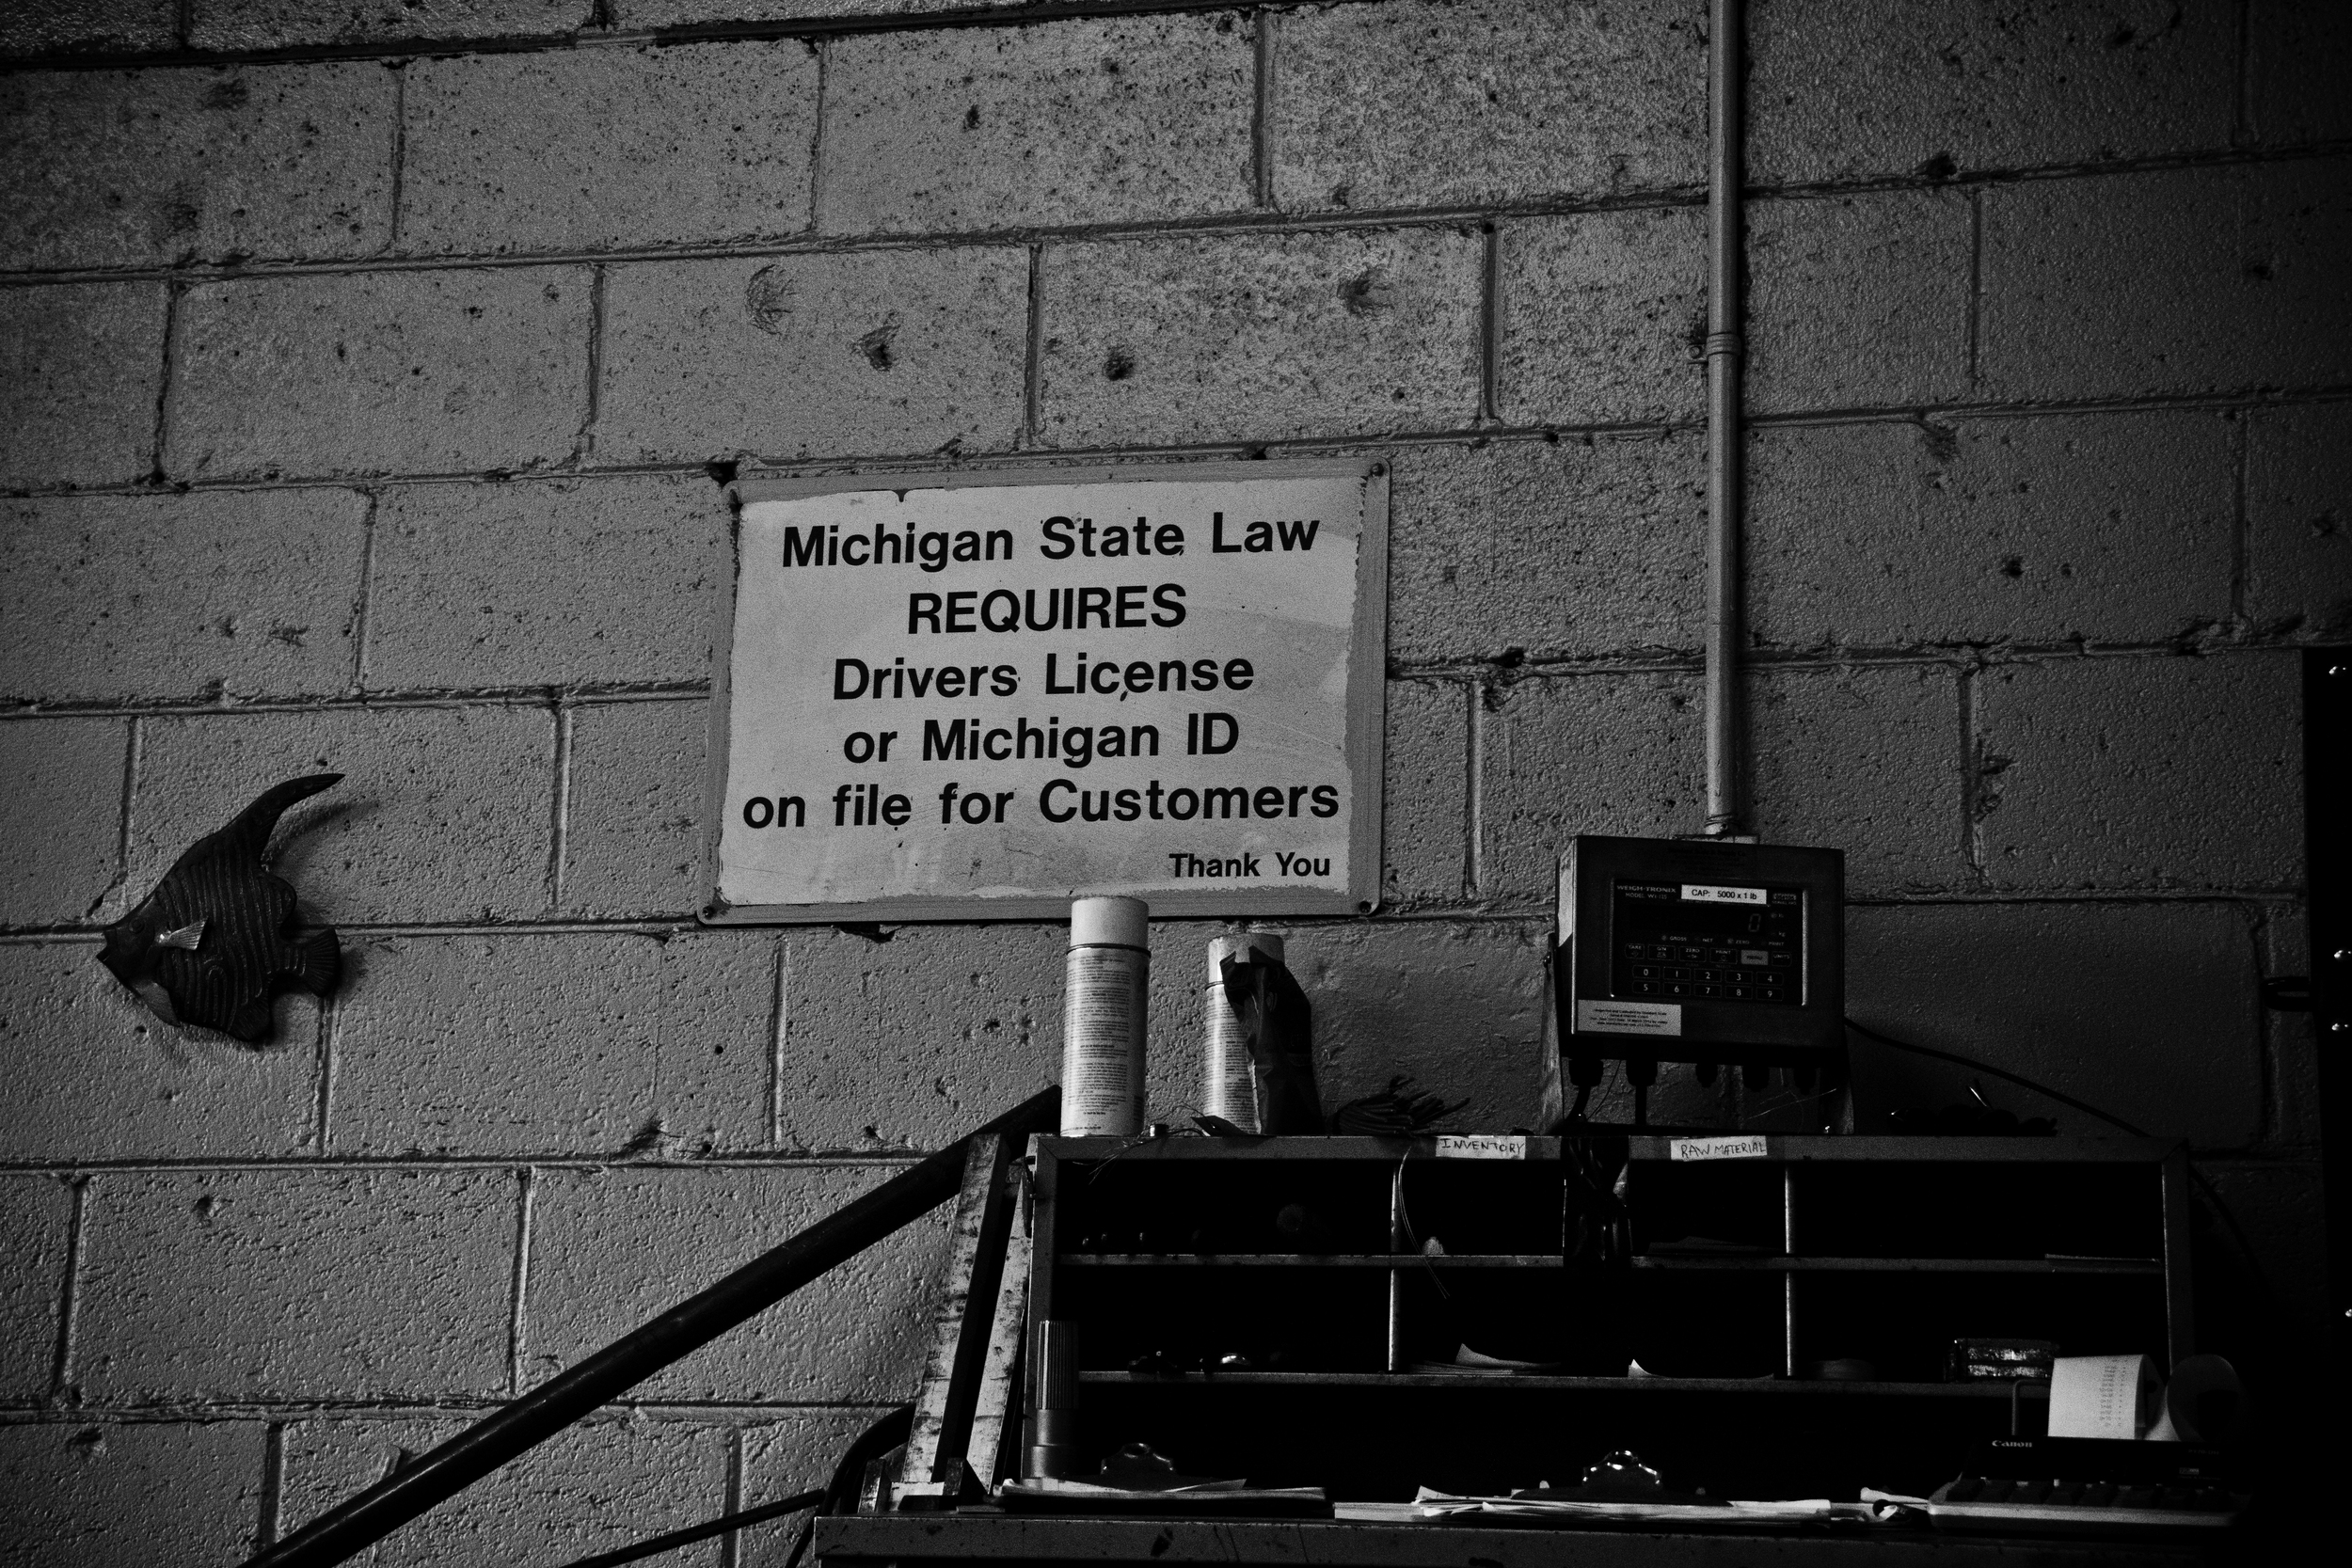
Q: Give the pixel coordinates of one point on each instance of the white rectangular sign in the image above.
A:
(1702, 893)
(985, 695)
(1629, 1018)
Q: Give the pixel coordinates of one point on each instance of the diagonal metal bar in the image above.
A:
(687, 1537)
(367, 1518)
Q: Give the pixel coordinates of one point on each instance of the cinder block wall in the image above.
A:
(367, 377)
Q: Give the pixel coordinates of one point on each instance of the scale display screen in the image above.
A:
(1707, 941)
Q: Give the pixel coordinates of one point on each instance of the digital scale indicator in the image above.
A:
(1707, 941)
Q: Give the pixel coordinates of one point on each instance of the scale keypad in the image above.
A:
(1677, 942)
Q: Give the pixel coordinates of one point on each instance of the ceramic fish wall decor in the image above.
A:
(210, 945)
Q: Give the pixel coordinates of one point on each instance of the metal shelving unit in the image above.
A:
(1823, 1241)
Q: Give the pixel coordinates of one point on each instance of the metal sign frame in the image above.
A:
(1365, 705)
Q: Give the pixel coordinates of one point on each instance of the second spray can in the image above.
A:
(1229, 1078)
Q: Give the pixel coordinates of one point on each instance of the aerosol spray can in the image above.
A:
(1229, 1078)
(1103, 1017)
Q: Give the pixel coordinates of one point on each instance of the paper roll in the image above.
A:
(2203, 1404)
(2103, 1396)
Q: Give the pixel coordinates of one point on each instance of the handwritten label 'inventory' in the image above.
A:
(1481, 1146)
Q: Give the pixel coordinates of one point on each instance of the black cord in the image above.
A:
(2204, 1185)
(2023, 1082)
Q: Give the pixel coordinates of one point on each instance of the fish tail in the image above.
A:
(322, 959)
(248, 834)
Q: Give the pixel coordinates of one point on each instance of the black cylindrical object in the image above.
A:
(1052, 1449)
(759, 1284)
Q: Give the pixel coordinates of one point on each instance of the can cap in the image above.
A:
(1109, 922)
(1241, 947)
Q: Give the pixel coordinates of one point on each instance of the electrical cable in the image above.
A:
(2204, 1184)
(2023, 1082)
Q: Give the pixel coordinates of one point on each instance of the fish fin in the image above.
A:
(187, 936)
(322, 959)
(252, 1021)
(247, 835)
(157, 999)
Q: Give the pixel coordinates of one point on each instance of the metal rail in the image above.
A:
(367, 1518)
(1726, 348)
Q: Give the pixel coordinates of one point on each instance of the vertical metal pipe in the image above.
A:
(1789, 1281)
(1396, 1275)
(1726, 349)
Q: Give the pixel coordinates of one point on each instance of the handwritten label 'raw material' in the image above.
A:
(1481, 1146)
(1752, 1147)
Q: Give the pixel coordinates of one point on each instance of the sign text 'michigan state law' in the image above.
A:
(1163, 682)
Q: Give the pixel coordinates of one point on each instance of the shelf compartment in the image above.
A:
(1542, 1382)
(1304, 1260)
(1909, 1265)
(1700, 1261)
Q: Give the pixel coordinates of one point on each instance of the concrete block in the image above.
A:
(1425, 105)
(154, 167)
(590, 1489)
(79, 364)
(1175, 1058)
(1563, 755)
(286, 24)
(1867, 761)
(1545, 550)
(296, 1284)
(1841, 90)
(128, 1495)
(611, 1249)
(415, 372)
(866, 352)
(2298, 521)
(717, 146)
(2140, 772)
(782, 1459)
(1858, 301)
(2183, 280)
(2144, 1011)
(2111, 528)
(557, 583)
(1096, 121)
(1425, 796)
(632, 819)
(678, 13)
(87, 1072)
(90, 27)
(67, 824)
(1260, 337)
(212, 593)
(913, 1043)
(1603, 317)
(36, 1213)
(2295, 58)
(444, 813)
(570, 1043)
(1458, 1006)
